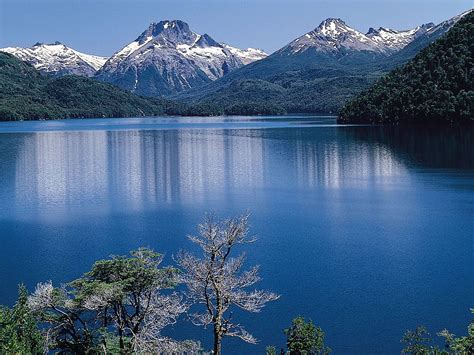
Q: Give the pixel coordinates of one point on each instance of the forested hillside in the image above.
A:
(27, 94)
(290, 92)
(437, 85)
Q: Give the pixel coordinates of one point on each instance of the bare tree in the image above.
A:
(216, 280)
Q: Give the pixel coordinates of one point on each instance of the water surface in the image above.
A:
(367, 230)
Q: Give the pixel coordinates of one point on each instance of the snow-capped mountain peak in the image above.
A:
(58, 59)
(333, 27)
(331, 36)
(169, 57)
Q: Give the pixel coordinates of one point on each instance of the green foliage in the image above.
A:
(305, 338)
(436, 85)
(111, 306)
(418, 342)
(270, 350)
(19, 333)
(460, 345)
(25, 94)
(122, 277)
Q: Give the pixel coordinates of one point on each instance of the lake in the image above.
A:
(367, 230)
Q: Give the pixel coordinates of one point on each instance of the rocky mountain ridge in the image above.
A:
(57, 59)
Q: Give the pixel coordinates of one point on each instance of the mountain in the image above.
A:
(319, 71)
(333, 36)
(436, 85)
(168, 58)
(393, 40)
(57, 59)
(27, 94)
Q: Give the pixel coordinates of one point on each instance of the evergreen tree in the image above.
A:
(19, 333)
(305, 338)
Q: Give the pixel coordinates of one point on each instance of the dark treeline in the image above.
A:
(123, 304)
(437, 85)
(25, 94)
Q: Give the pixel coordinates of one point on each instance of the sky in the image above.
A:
(102, 27)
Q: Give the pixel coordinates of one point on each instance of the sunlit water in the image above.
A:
(366, 230)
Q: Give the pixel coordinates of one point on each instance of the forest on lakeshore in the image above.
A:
(436, 86)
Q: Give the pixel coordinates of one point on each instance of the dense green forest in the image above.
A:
(437, 85)
(27, 94)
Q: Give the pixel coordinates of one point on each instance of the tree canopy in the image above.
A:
(119, 305)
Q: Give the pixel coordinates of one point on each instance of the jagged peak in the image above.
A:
(171, 29)
(333, 27)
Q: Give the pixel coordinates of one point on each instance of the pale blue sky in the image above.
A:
(103, 26)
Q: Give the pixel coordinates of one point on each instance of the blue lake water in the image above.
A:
(366, 230)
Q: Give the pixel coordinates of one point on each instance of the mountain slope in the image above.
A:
(57, 59)
(420, 42)
(168, 58)
(319, 71)
(436, 85)
(26, 94)
(394, 40)
(331, 50)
